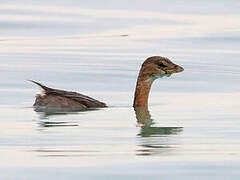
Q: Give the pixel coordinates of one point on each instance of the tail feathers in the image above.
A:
(45, 88)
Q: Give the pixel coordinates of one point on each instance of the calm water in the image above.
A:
(97, 49)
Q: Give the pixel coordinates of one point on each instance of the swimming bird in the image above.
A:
(60, 100)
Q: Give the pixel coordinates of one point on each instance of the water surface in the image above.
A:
(97, 49)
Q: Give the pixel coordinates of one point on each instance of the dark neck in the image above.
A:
(142, 93)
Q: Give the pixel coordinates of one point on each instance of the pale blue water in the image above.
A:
(97, 48)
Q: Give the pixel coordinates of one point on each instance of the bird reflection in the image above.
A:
(154, 140)
(156, 131)
(56, 124)
(143, 117)
(56, 112)
(46, 118)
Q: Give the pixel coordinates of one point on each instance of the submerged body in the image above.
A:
(59, 100)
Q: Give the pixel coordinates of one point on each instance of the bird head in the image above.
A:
(156, 66)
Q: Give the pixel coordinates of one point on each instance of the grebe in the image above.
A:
(59, 100)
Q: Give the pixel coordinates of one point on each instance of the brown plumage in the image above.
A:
(152, 69)
(55, 99)
(59, 100)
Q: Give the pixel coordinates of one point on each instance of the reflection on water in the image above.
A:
(46, 111)
(153, 140)
(46, 117)
(159, 131)
(82, 46)
(56, 124)
(143, 117)
(65, 152)
(46, 121)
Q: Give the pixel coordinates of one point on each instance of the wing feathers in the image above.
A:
(83, 99)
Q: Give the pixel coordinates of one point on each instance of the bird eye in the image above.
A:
(161, 65)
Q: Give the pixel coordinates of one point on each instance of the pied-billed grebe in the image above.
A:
(152, 68)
